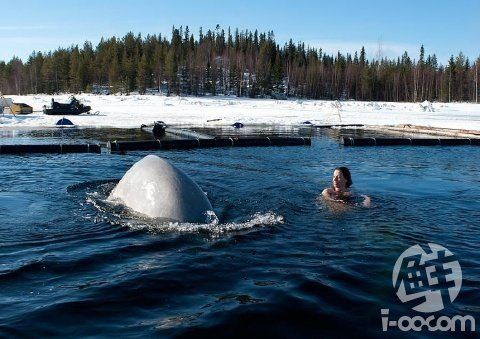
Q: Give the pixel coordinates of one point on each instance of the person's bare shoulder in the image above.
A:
(326, 193)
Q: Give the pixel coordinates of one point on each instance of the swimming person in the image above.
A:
(339, 192)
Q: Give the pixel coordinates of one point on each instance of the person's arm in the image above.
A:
(326, 194)
(366, 201)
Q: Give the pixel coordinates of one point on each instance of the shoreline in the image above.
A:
(112, 111)
(417, 131)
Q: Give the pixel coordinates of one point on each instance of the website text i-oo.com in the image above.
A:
(428, 278)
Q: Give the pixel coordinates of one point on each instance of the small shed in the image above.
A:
(20, 108)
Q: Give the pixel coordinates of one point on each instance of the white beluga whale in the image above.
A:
(157, 189)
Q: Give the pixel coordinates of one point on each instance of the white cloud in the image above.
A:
(388, 49)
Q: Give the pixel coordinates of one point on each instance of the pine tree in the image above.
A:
(142, 74)
(245, 63)
(74, 74)
(114, 73)
(171, 71)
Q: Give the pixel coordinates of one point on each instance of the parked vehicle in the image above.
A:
(74, 107)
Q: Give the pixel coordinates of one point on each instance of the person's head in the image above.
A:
(342, 179)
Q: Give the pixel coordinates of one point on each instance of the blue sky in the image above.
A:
(444, 27)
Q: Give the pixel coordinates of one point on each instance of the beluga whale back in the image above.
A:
(158, 189)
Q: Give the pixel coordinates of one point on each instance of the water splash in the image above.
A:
(95, 195)
(215, 227)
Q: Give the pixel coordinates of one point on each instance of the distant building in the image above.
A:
(101, 89)
(279, 96)
(163, 89)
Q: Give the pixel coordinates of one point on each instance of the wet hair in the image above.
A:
(346, 174)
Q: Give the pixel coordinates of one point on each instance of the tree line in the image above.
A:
(241, 63)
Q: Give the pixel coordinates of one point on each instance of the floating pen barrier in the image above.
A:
(187, 133)
(347, 141)
(159, 129)
(56, 148)
(123, 146)
(338, 126)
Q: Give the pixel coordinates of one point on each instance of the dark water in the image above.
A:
(278, 263)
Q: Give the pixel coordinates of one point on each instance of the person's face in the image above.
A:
(339, 182)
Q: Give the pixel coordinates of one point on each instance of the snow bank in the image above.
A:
(134, 110)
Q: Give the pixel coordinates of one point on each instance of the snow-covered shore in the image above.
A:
(134, 110)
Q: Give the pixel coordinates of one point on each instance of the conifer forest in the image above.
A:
(240, 63)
